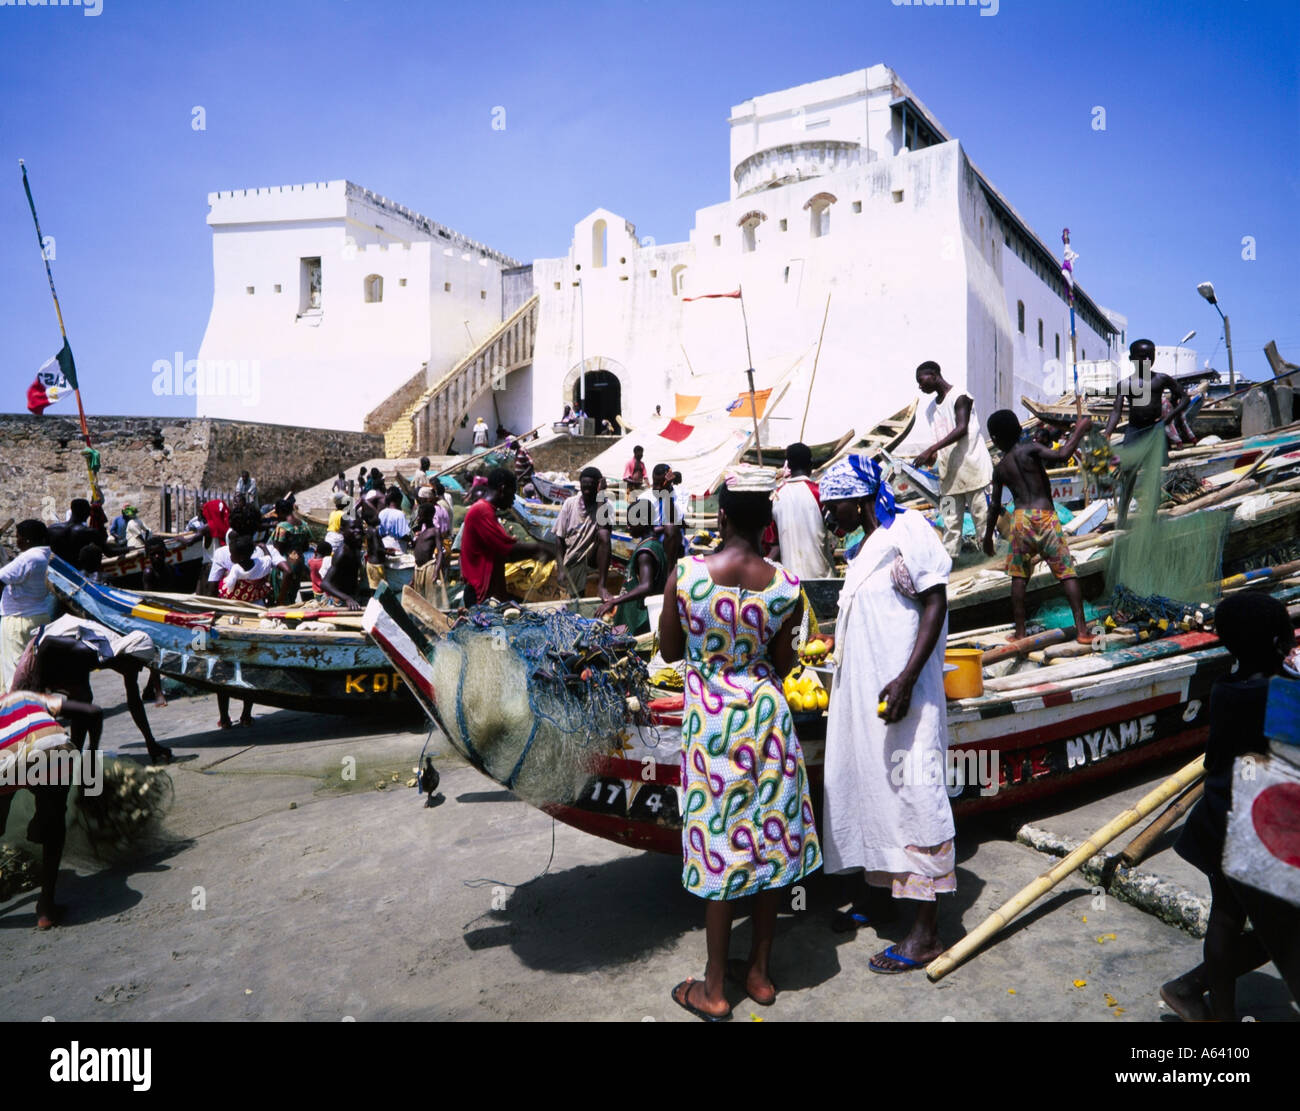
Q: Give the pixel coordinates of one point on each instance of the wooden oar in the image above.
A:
(1140, 847)
(1024, 647)
(973, 941)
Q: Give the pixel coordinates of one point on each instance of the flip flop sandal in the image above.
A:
(738, 973)
(893, 954)
(846, 921)
(685, 1003)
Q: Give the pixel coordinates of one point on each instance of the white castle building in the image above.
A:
(339, 297)
(846, 188)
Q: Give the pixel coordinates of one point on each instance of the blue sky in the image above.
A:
(625, 106)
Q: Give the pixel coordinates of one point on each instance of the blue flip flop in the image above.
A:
(893, 954)
(846, 921)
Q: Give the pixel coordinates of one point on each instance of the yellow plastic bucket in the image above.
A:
(966, 680)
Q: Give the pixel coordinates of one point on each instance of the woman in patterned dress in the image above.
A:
(747, 821)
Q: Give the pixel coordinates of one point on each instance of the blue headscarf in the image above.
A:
(857, 477)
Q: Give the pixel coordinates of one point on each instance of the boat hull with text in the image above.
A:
(1005, 748)
(334, 672)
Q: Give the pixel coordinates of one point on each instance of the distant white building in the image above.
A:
(338, 297)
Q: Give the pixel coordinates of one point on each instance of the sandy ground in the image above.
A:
(287, 892)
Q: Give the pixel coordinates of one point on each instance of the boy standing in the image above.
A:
(965, 466)
(1036, 529)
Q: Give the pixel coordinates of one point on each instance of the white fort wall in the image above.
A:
(438, 294)
(913, 258)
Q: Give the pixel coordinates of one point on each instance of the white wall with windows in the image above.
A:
(340, 296)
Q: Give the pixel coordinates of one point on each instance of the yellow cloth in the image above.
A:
(375, 574)
(336, 521)
(533, 581)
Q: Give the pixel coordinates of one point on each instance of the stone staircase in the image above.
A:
(428, 424)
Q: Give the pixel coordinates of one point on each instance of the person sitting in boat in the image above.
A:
(137, 536)
(647, 571)
(1145, 390)
(486, 547)
(341, 576)
(1036, 529)
(293, 540)
(583, 535)
(887, 812)
(747, 821)
(1255, 628)
(159, 577)
(117, 529)
(28, 730)
(248, 578)
(90, 562)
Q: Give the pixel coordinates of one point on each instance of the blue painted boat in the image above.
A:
(339, 671)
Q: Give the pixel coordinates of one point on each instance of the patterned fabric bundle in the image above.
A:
(855, 477)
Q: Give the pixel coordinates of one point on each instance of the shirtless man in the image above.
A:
(1145, 391)
(1036, 529)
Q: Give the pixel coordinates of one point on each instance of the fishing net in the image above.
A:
(531, 697)
(1162, 565)
(1058, 615)
(125, 816)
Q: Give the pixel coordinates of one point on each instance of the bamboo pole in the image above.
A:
(753, 408)
(973, 941)
(816, 358)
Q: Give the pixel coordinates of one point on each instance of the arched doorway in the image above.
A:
(604, 397)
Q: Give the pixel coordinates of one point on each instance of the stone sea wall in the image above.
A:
(41, 466)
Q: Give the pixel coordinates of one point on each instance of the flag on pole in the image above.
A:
(56, 377)
(750, 405)
(711, 296)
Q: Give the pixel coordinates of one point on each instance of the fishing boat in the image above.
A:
(1027, 736)
(183, 550)
(552, 492)
(1210, 418)
(226, 648)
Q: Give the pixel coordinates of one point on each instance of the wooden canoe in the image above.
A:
(1005, 748)
(334, 672)
(180, 549)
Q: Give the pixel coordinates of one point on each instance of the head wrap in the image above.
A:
(856, 477)
(749, 480)
(130, 511)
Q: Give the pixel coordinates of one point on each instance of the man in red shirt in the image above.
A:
(634, 472)
(486, 548)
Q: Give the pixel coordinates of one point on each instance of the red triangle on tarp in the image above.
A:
(677, 431)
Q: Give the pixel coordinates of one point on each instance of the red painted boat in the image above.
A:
(1104, 715)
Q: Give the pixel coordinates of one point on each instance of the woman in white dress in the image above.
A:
(886, 803)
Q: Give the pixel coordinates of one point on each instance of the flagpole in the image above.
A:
(753, 407)
(58, 311)
(1067, 272)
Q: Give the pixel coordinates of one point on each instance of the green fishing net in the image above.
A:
(1163, 564)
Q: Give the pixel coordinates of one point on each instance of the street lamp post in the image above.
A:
(1206, 290)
